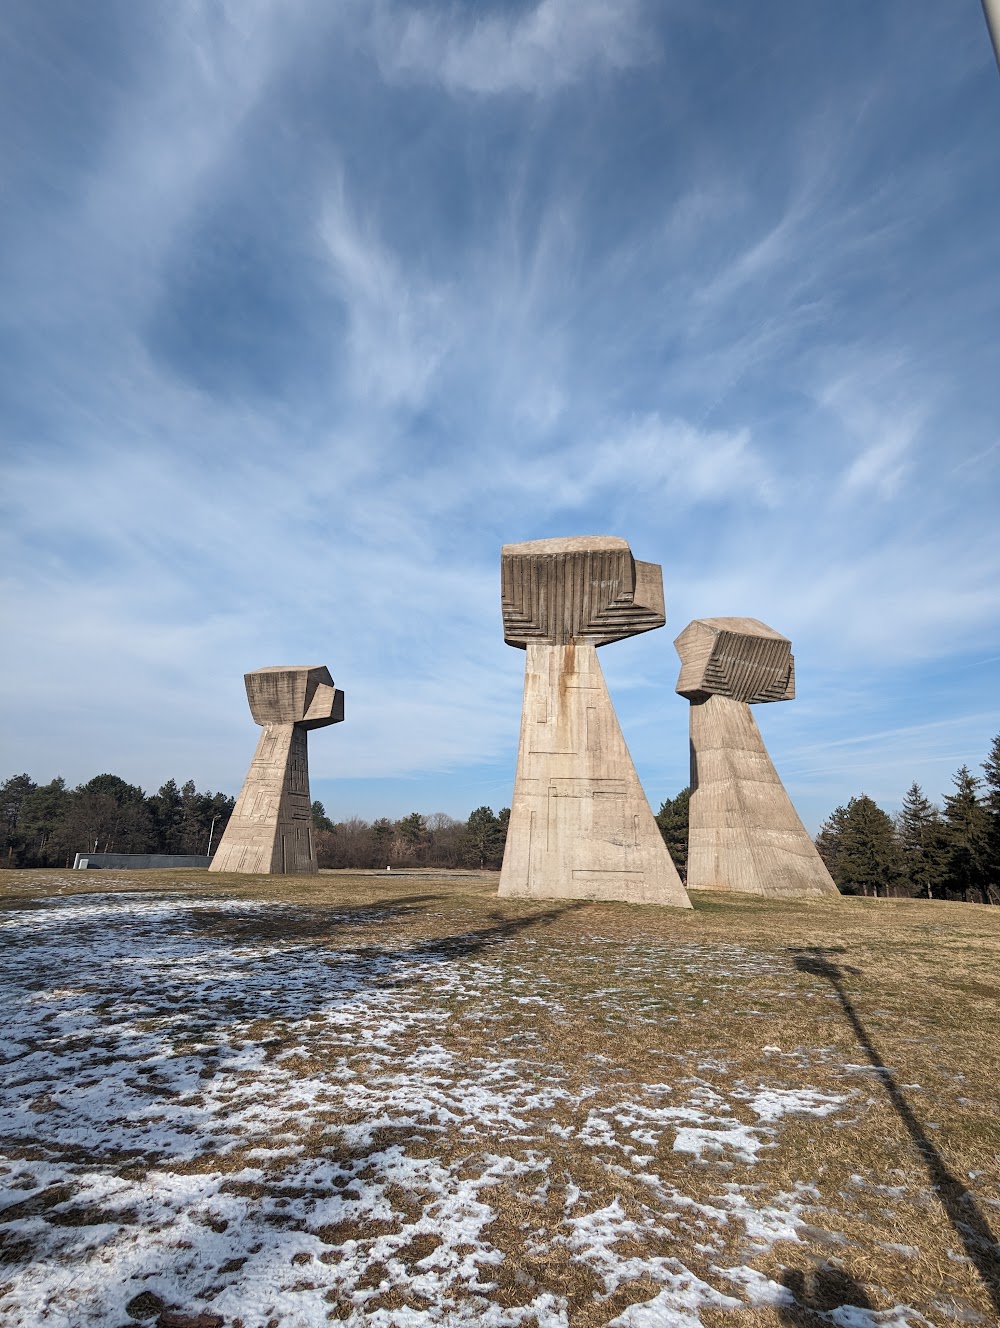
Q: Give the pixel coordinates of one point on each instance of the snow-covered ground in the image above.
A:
(278, 1131)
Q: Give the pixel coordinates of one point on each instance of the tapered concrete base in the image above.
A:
(744, 832)
(270, 829)
(580, 824)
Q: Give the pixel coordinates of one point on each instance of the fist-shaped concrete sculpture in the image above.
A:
(303, 696)
(580, 824)
(271, 826)
(583, 588)
(741, 658)
(744, 834)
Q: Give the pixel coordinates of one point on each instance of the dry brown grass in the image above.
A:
(906, 1174)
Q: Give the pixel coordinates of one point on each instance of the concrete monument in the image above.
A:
(270, 829)
(580, 824)
(744, 833)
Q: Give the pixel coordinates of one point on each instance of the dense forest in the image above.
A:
(939, 852)
(46, 825)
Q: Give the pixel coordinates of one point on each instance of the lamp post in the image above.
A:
(211, 832)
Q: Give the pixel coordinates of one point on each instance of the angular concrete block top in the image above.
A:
(290, 694)
(583, 588)
(741, 658)
(743, 832)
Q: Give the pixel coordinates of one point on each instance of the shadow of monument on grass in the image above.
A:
(294, 923)
(964, 1214)
(298, 922)
(816, 1292)
(485, 938)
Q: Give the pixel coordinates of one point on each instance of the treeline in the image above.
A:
(938, 852)
(950, 851)
(46, 825)
(414, 841)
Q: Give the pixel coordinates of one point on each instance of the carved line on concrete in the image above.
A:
(270, 830)
(744, 834)
(580, 826)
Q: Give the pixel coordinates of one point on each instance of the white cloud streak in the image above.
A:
(399, 329)
(548, 47)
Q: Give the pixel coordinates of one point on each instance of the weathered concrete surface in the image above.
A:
(583, 588)
(744, 834)
(741, 658)
(580, 825)
(270, 829)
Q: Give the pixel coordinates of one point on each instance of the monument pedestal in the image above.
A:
(744, 832)
(580, 824)
(270, 829)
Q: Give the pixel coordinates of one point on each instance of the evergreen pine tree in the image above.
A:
(44, 812)
(966, 832)
(859, 846)
(13, 795)
(320, 819)
(167, 807)
(672, 818)
(484, 839)
(991, 801)
(921, 840)
(830, 841)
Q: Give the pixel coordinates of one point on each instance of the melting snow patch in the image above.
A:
(771, 1104)
(713, 1141)
(268, 1129)
(677, 1305)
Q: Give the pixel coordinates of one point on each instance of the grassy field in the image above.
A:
(294, 1101)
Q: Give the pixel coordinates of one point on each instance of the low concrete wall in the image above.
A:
(138, 861)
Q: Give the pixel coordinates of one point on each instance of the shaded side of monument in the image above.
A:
(744, 834)
(270, 830)
(580, 824)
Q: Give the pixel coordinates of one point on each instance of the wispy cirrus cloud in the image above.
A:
(537, 50)
(647, 462)
(399, 325)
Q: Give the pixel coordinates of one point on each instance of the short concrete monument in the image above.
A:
(580, 824)
(270, 829)
(744, 833)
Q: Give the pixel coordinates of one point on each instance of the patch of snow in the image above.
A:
(773, 1103)
(257, 1128)
(677, 1305)
(744, 1142)
(759, 1290)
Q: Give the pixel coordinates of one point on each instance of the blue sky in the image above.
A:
(310, 307)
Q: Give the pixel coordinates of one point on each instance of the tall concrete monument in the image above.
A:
(580, 824)
(744, 833)
(270, 829)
